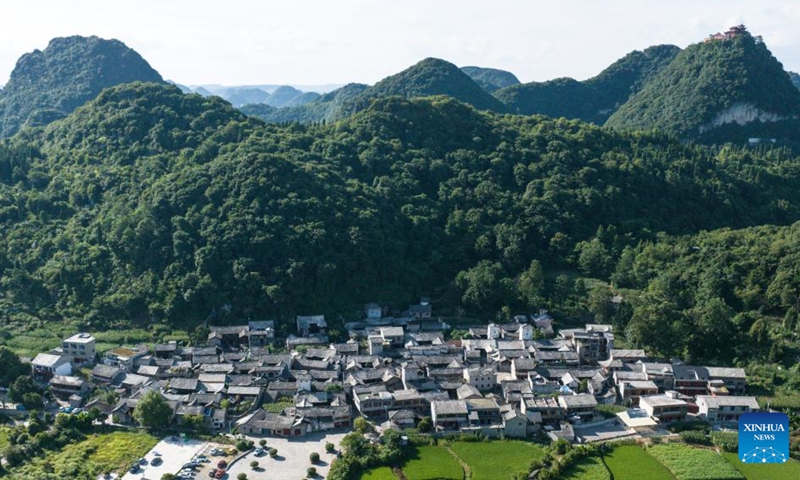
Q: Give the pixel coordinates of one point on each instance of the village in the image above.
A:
(513, 380)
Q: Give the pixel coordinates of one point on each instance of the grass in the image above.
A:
(497, 459)
(277, 407)
(688, 463)
(630, 461)
(431, 463)
(588, 468)
(380, 473)
(785, 471)
(112, 452)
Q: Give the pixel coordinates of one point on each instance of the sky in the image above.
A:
(314, 42)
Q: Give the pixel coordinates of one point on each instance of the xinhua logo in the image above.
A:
(764, 438)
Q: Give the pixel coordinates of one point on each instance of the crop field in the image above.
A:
(380, 473)
(630, 461)
(784, 471)
(589, 468)
(432, 463)
(498, 459)
(688, 463)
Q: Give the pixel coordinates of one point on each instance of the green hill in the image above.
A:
(592, 100)
(148, 205)
(562, 97)
(491, 79)
(630, 73)
(49, 84)
(717, 84)
(431, 76)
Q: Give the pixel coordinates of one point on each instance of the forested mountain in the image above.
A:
(431, 76)
(150, 204)
(491, 79)
(428, 77)
(47, 85)
(719, 85)
(561, 97)
(592, 100)
(629, 74)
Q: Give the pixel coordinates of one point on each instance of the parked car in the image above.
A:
(222, 464)
(134, 468)
(212, 472)
(220, 473)
(156, 461)
(142, 461)
(259, 452)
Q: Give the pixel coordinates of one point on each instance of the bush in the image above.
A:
(696, 437)
(314, 457)
(244, 445)
(678, 427)
(311, 472)
(254, 464)
(329, 447)
(727, 441)
(241, 476)
(273, 452)
(262, 442)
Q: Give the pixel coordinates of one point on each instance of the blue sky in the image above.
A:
(338, 41)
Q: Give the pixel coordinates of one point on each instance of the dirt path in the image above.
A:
(464, 466)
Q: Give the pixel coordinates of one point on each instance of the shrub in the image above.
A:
(677, 427)
(329, 447)
(727, 441)
(241, 476)
(244, 445)
(262, 442)
(273, 452)
(311, 472)
(254, 464)
(695, 436)
(314, 457)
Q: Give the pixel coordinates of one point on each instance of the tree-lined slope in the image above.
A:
(151, 204)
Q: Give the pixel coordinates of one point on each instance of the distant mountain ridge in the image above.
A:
(48, 85)
(491, 79)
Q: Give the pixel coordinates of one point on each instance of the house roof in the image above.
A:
(660, 401)
(66, 380)
(449, 407)
(728, 401)
(49, 360)
(183, 384)
(105, 371)
(580, 400)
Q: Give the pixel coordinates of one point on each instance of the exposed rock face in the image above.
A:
(742, 114)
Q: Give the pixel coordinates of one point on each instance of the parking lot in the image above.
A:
(175, 452)
(292, 460)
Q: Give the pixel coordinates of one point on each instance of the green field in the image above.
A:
(589, 468)
(498, 459)
(785, 471)
(380, 473)
(431, 463)
(688, 463)
(112, 452)
(632, 462)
